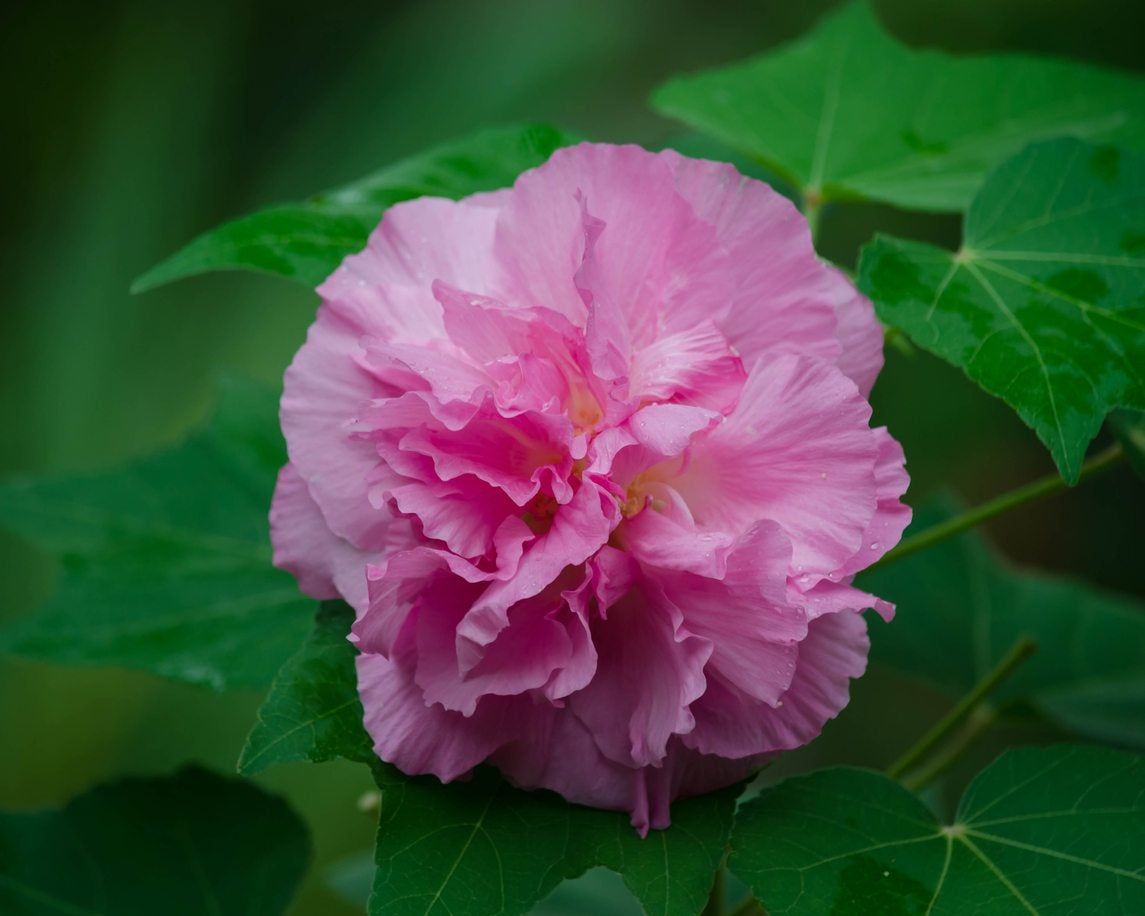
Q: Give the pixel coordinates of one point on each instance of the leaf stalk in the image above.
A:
(1018, 653)
(1028, 493)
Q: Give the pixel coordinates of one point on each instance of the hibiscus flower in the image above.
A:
(591, 458)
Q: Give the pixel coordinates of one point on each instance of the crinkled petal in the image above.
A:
(730, 725)
(534, 645)
(325, 566)
(696, 366)
(649, 671)
(324, 389)
(386, 289)
(860, 335)
(578, 530)
(781, 295)
(797, 450)
(744, 614)
(417, 738)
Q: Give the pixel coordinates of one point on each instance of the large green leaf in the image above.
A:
(313, 711)
(486, 849)
(306, 241)
(1044, 305)
(960, 609)
(1057, 830)
(191, 843)
(166, 562)
(849, 113)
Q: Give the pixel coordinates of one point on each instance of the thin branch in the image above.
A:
(1019, 652)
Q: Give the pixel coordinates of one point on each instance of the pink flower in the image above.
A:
(591, 459)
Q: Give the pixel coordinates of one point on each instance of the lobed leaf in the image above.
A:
(166, 562)
(847, 112)
(313, 711)
(1051, 830)
(306, 241)
(960, 609)
(1044, 304)
(190, 843)
(484, 848)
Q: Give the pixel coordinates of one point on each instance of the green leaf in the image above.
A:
(190, 844)
(1044, 305)
(1129, 428)
(960, 609)
(166, 562)
(1041, 830)
(486, 849)
(306, 241)
(847, 112)
(313, 711)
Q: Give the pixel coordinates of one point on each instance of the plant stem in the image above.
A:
(715, 905)
(1045, 486)
(1019, 652)
(749, 907)
(979, 723)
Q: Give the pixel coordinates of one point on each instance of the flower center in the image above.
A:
(584, 409)
(539, 512)
(637, 498)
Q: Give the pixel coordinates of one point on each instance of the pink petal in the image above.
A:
(325, 565)
(696, 366)
(524, 657)
(324, 389)
(649, 671)
(385, 290)
(860, 335)
(797, 450)
(578, 530)
(417, 738)
(745, 616)
(729, 725)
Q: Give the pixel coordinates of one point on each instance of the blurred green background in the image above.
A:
(134, 125)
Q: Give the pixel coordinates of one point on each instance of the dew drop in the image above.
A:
(875, 545)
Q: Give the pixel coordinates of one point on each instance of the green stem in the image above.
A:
(715, 905)
(1019, 652)
(979, 723)
(749, 907)
(1038, 489)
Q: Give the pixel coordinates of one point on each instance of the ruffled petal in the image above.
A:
(579, 529)
(797, 450)
(325, 566)
(386, 289)
(324, 389)
(650, 669)
(744, 614)
(696, 366)
(859, 333)
(730, 725)
(418, 738)
(535, 644)
(781, 296)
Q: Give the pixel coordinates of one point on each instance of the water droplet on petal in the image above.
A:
(875, 545)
